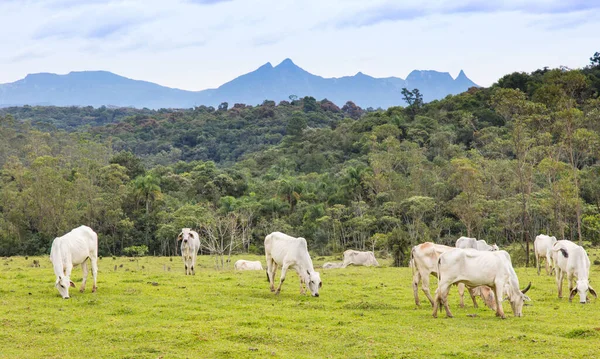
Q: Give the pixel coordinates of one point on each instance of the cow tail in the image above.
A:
(564, 252)
(411, 263)
(439, 275)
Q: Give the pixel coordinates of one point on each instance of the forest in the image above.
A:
(503, 163)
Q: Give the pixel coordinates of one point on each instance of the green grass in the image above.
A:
(143, 310)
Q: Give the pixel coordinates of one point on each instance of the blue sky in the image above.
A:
(198, 44)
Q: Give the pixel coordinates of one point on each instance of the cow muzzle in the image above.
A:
(316, 295)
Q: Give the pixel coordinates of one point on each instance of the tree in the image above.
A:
(296, 124)
(414, 99)
(223, 106)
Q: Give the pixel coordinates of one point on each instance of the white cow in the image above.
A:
(480, 245)
(331, 265)
(423, 262)
(359, 258)
(572, 259)
(542, 246)
(243, 264)
(475, 268)
(70, 250)
(190, 244)
(287, 251)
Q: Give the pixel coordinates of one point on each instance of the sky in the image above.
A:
(200, 44)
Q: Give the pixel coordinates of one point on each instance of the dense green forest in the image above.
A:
(503, 164)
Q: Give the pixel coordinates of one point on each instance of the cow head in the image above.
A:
(185, 235)
(495, 247)
(582, 286)
(62, 284)
(314, 282)
(518, 299)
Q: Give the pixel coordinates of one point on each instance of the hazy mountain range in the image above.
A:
(97, 88)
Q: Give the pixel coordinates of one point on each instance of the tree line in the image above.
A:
(503, 164)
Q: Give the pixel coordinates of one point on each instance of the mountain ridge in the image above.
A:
(267, 82)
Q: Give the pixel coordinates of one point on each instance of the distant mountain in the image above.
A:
(97, 88)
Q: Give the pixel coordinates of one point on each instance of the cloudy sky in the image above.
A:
(198, 44)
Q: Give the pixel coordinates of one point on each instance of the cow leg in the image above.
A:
(194, 264)
(302, 290)
(548, 263)
(84, 269)
(444, 298)
(499, 310)
(271, 269)
(284, 269)
(425, 288)
(472, 294)
(559, 281)
(461, 294)
(94, 262)
(570, 279)
(415, 284)
(537, 263)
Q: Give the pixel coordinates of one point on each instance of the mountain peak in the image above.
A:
(461, 74)
(287, 63)
(266, 66)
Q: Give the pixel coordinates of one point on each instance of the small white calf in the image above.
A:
(359, 258)
(542, 246)
(70, 250)
(243, 264)
(190, 245)
(287, 251)
(572, 260)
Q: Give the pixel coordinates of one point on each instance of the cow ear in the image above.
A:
(525, 297)
(573, 292)
(320, 284)
(72, 284)
(593, 292)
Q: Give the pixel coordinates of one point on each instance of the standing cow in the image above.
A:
(474, 268)
(542, 246)
(190, 244)
(359, 258)
(423, 262)
(572, 260)
(70, 250)
(287, 251)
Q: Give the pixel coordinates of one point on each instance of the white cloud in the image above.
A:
(197, 44)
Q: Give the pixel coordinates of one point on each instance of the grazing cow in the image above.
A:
(480, 245)
(287, 251)
(475, 268)
(330, 265)
(542, 247)
(70, 250)
(243, 264)
(359, 258)
(572, 259)
(423, 263)
(190, 244)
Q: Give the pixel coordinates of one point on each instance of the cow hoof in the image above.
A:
(81, 290)
(94, 289)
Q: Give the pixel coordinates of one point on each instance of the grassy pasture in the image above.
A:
(144, 310)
